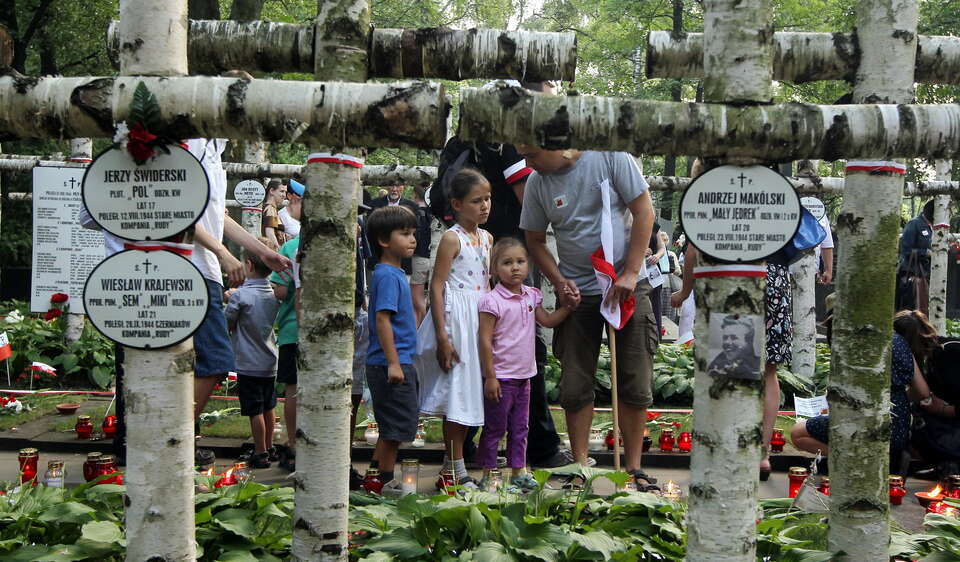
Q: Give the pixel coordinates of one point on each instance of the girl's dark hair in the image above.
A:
(463, 182)
(273, 184)
(383, 221)
(919, 333)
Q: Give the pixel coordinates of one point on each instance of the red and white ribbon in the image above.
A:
(942, 225)
(256, 209)
(329, 158)
(876, 166)
(80, 159)
(155, 245)
(730, 271)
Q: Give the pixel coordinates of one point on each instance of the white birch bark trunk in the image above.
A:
(408, 114)
(868, 225)
(803, 57)
(728, 412)
(80, 151)
(258, 46)
(803, 274)
(159, 514)
(328, 246)
(771, 132)
(938, 256)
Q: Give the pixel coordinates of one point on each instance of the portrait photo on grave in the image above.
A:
(735, 345)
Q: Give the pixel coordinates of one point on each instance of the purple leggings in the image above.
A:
(511, 413)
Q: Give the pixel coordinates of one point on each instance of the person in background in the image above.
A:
(291, 225)
(914, 262)
(251, 312)
(272, 227)
(656, 250)
(421, 258)
(361, 331)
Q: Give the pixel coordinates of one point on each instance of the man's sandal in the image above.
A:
(644, 483)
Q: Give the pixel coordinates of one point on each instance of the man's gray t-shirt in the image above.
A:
(571, 201)
(253, 307)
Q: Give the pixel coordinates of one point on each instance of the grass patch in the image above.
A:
(40, 405)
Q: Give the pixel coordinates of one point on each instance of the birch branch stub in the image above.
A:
(782, 132)
(803, 57)
(215, 46)
(333, 113)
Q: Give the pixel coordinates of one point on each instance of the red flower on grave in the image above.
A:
(52, 314)
(652, 415)
(58, 298)
(138, 143)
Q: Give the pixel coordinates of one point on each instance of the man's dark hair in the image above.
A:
(259, 267)
(743, 322)
(383, 221)
(928, 211)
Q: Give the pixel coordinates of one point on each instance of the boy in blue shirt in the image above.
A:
(391, 376)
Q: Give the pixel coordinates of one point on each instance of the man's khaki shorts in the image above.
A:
(576, 343)
(421, 271)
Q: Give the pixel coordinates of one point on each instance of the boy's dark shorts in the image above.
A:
(287, 363)
(395, 406)
(257, 394)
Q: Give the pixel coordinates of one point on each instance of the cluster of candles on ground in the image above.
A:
(84, 427)
(236, 474)
(949, 487)
(96, 465)
(372, 433)
(797, 475)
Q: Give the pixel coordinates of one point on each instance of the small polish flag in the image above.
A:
(5, 350)
(38, 366)
(231, 376)
(616, 313)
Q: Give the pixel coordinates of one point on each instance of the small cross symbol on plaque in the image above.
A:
(146, 266)
(742, 177)
(72, 183)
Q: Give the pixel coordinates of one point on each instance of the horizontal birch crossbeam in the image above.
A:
(334, 114)
(379, 175)
(214, 46)
(779, 133)
(803, 57)
(371, 174)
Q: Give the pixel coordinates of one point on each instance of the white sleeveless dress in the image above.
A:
(457, 394)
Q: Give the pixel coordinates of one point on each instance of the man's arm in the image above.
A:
(826, 254)
(566, 290)
(642, 210)
(272, 259)
(230, 265)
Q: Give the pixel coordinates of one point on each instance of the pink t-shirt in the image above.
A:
(515, 332)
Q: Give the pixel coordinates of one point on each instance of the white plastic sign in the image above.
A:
(815, 206)
(249, 193)
(161, 198)
(146, 300)
(740, 213)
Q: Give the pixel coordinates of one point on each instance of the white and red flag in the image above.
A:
(43, 367)
(5, 350)
(616, 313)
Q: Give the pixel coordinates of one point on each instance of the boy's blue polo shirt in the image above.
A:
(390, 291)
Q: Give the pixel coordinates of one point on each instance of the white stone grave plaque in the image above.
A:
(815, 206)
(64, 253)
(161, 198)
(146, 300)
(249, 193)
(740, 213)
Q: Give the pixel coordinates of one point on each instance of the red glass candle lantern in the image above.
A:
(824, 487)
(796, 476)
(84, 427)
(29, 459)
(684, 442)
(106, 466)
(228, 480)
(777, 441)
(953, 486)
(447, 482)
(109, 426)
(896, 489)
(90, 467)
(666, 440)
(609, 440)
(372, 481)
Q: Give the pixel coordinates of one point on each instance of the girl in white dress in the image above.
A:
(448, 356)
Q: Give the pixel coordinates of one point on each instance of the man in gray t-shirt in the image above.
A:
(565, 192)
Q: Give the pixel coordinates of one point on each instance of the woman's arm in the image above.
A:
(919, 393)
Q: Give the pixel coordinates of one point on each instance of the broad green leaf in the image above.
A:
(489, 551)
(599, 541)
(242, 527)
(237, 556)
(102, 531)
(68, 512)
(27, 553)
(64, 553)
(803, 555)
(399, 542)
(476, 525)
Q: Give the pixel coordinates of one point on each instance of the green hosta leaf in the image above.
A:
(27, 553)
(102, 531)
(489, 552)
(100, 376)
(237, 521)
(64, 553)
(476, 525)
(68, 512)
(379, 557)
(600, 542)
(238, 556)
(802, 555)
(400, 543)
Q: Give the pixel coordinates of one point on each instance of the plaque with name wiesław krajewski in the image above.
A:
(740, 213)
(146, 300)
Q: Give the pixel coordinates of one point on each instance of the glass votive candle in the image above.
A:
(90, 466)
(372, 481)
(242, 472)
(672, 491)
(494, 480)
(824, 487)
(371, 434)
(84, 427)
(796, 476)
(777, 441)
(897, 490)
(109, 426)
(54, 475)
(597, 441)
(448, 482)
(684, 442)
(409, 476)
(666, 440)
(29, 459)
(420, 439)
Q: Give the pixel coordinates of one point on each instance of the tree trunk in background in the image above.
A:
(938, 256)
(869, 226)
(159, 514)
(803, 57)
(803, 279)
(81, 150)
(254, 152)
(728, 412)
(670, 162)
(328, 245)
(246, 10)
(203, 9)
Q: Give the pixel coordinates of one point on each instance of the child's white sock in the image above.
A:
(459, 469)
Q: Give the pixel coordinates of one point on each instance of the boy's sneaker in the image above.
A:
(522, 484)
(468, 483)
(259, 460)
